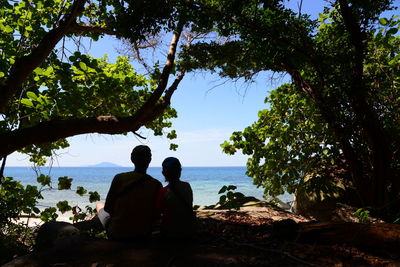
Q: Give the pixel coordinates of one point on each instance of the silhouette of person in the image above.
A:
(175, 202)
(130, 209)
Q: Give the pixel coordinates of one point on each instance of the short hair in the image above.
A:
(171, 163)
(140, 152)
(172, 169)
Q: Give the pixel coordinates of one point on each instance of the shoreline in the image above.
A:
(250, 206)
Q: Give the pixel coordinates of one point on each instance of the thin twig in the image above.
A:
(138, 135)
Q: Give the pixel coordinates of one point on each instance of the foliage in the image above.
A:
(50, 89)
(17, 199)
(288, 143)
(58, 83)
(340, 111)
(18, 241)
(231, 200)
(363, 215)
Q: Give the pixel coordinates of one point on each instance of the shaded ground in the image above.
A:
(249, 237)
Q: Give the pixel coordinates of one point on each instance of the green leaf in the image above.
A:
(81, 191)
(222, 199)
(231, 187)
(44, 180)
(31, 95)
(173, 147)
(383, 21)
(64, 183)
(7, 29)
(222, 190)
(36, 210)
(49, 214)
(27, 102)
(94, 196)
(392, 31)
(63, 206)
(83, 66)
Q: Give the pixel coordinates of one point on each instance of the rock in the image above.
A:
(321, 204)
(252, 204)
(201, 208)
(250, 199)
(57, 235)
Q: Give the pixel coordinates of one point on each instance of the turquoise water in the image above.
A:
(205, 182)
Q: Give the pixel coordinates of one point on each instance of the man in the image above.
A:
(130, 208)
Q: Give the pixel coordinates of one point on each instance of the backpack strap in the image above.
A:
(132, 186)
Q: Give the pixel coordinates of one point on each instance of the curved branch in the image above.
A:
(24, 66)
(163, 80)
(54, 130)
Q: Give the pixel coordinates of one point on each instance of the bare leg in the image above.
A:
(99, 205)
(103, 216)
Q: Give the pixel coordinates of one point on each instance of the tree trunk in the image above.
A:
(382, 238)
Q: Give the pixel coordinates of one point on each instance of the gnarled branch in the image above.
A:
(24, 66)
(54, 130)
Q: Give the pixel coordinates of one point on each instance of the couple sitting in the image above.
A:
(136, 200)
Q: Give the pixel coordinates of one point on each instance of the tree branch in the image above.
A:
(24, 66)
(163, 80)
(54, 130)
(82, 29)
(3, 165)
(352, 27)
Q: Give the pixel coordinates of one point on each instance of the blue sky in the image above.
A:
(209, 110)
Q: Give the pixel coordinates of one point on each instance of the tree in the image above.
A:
(48, 93)
(290, 146)
(343, 64)
(50, 90)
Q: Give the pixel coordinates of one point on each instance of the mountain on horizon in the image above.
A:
(105, 164)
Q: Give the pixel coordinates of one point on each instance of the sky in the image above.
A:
(209, 110)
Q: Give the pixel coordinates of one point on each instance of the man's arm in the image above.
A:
(110, 199)
(158, 199)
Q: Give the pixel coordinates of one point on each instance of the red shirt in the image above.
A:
(176, 208)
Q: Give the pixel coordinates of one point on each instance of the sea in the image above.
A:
(205, 182)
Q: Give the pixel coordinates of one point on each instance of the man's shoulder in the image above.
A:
(121, 175)
(153, 180)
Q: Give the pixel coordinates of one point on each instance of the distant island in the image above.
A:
(104, 164)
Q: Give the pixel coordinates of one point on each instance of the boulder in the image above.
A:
(57, 235)
(321, 200)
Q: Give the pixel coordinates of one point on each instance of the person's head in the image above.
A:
(141, 157)
(171, 169)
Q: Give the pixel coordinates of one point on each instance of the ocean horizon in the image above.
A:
(205, 181)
